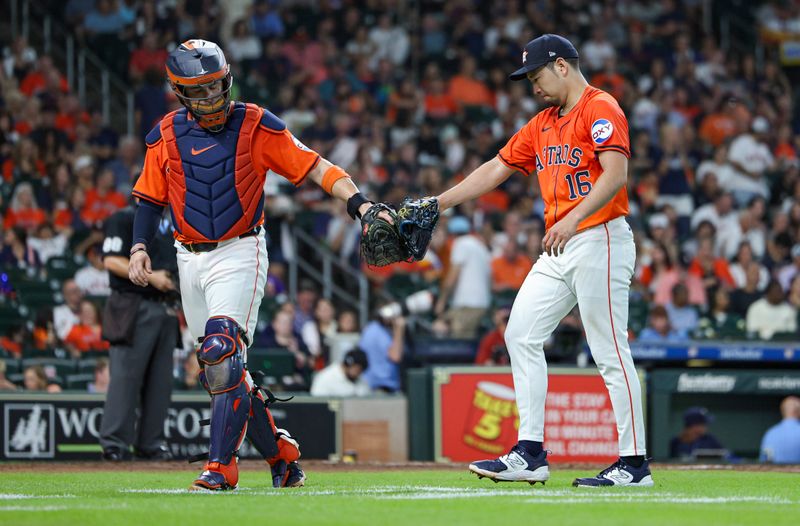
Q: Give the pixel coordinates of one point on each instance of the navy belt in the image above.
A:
(196, 248)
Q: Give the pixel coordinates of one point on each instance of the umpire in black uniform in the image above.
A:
(142, 327)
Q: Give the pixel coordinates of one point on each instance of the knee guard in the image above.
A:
(223, 375)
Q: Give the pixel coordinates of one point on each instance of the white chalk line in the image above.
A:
(20, 496)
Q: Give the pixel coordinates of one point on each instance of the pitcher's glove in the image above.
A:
(416, 220)
(381, 243)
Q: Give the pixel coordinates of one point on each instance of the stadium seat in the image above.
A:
(273, 362)
(12, 366)
(53, 366)
(86, 365)
(61, 268)
(78, 382)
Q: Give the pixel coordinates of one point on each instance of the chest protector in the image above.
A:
(214, 190)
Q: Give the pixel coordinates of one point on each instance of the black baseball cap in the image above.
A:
(541, 51)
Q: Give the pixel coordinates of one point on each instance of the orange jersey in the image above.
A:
(563, 151)
(214, 182)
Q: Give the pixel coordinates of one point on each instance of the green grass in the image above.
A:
(387, 498)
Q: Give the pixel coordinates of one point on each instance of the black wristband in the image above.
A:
(137, 249)
(354, 203)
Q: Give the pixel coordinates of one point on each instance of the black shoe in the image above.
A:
(114, 454)
(160, 453)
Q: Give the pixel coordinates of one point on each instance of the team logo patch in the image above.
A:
(601, 130)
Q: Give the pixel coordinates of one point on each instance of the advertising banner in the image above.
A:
(66, 427)
(476, 415)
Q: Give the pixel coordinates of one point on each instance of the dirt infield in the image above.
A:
(324, 466)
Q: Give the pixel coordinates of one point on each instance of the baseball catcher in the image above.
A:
(405, 238)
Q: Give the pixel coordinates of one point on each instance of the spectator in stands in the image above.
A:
(466, 89)
(743, 297)
(24, 162)
(102, 199)
(343, 379)
(101, 377)
(384, 343)
(266, 20)
(67, 220)
(720, 322)
(23, 211)
(315, 332)
(771, 314)
(150, 55)
(662, 275)
(92, 278)
(66, 315)
(35, 379)
(695, 435)
(721, 214)
(47, 243)
(345, 337)
(391, 41)
(86, 335)
(150, 101)
(683, 316)
(751, 159)
(510, 269)
(44, 335)
(127, 164)
(304, 309)
(597, 51)
(492, 347)
(781, 442)
(19, 58)
(659, 328)
(468, 281)
(16, 253)
(5, 383)
(794, 295)
(674, 167)
(787, 273)
(744, 258)
(190, 378)
(281, 334)
(242, 46)
(713, 271)
(12, 341)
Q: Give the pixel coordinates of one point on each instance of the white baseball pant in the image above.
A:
(227, 281)
(594, 271)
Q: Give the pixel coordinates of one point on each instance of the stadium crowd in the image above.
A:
(409, 100)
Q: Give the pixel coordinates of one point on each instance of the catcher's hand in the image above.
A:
(381, 243)
(416, 220)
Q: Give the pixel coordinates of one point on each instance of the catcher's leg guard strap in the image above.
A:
(223, 368)
(261, 427)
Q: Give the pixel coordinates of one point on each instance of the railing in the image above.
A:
(329, 262)
(87, 76)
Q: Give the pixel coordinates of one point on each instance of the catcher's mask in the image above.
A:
(200, 63)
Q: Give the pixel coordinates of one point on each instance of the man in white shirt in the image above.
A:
(343, 379)
(66, 315)
(771, 314)
(93, 278)
(751, 158)
(469, 280)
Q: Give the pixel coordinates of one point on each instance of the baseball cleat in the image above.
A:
(214, 477)
(618, 474)
(287, 475)
(517, 466)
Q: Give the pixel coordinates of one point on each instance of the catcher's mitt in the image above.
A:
(381, 243)
(416, 220)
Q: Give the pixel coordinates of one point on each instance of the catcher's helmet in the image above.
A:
(200, 63)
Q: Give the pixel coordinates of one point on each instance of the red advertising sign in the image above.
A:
(478, 416)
